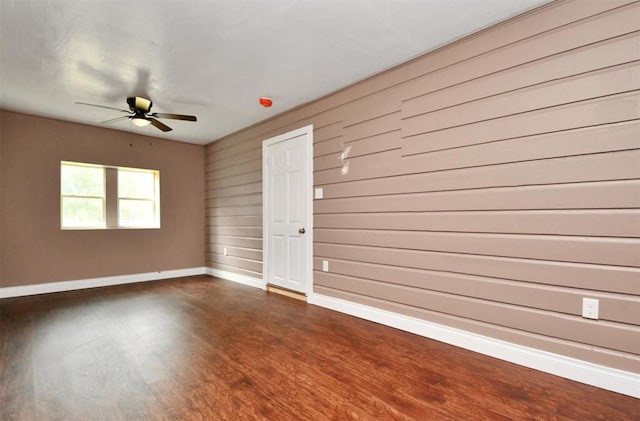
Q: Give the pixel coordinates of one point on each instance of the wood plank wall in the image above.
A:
(489, 185)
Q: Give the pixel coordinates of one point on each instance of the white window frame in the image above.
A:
(155, 200)
(80, 196)
(112, 198)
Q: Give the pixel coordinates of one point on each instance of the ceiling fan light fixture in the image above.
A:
(140, 121)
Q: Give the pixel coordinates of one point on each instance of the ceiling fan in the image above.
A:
(140, 114)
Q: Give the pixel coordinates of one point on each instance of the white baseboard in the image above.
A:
(619, 381)
(236, 277)
(18, 291)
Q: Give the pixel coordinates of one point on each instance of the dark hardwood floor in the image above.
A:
(202, 348)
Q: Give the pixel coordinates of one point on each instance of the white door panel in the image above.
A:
(287, 209)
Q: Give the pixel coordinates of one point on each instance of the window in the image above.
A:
(99, 197)
(137, 194)
(83, 195)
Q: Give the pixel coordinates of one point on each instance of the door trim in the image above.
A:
(308, 131)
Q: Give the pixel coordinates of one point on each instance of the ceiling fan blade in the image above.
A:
(175, 116)
(160, 125)
(114, 120)
(104, 106)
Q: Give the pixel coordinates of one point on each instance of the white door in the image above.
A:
(287, 210)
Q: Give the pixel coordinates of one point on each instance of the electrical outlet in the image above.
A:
(325, 266)
(319, 194)
(224, 251)
(590, 308)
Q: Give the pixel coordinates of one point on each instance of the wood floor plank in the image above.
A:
(202, 348)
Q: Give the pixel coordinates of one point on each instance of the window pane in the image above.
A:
(82, 181)
(79, 212)
(136, 184)
(136, 213)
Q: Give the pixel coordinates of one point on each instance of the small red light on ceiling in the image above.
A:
(266, 102)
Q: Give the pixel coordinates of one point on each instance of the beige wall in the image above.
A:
(491, 184)
(33, 248)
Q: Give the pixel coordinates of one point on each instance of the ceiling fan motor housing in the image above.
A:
(137, 103)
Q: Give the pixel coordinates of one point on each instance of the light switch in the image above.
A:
(590, 308)
(325, 266)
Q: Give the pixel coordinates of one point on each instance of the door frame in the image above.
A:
(266, 191)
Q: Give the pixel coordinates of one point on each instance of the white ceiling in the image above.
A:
(213, 59)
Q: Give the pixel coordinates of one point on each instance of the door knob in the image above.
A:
(301, 231)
